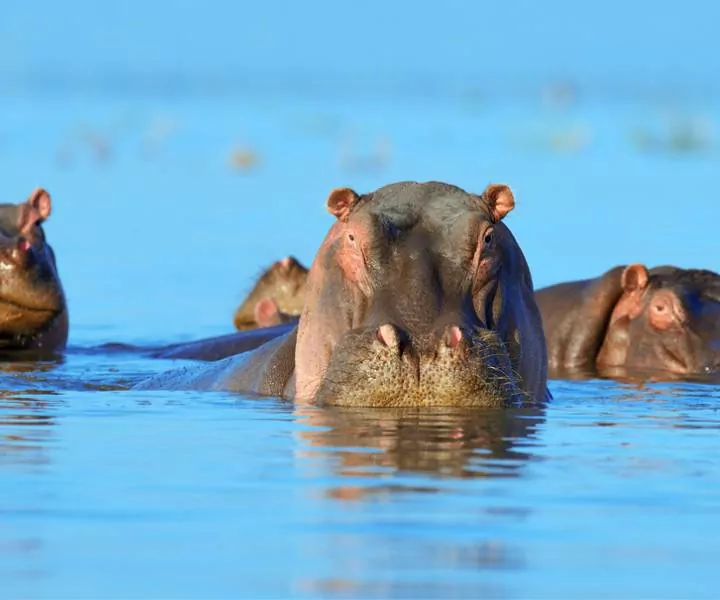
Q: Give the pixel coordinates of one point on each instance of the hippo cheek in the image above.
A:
(709, 359)
(682, 352)
(30, 292)
(375, 370)
(672, 358)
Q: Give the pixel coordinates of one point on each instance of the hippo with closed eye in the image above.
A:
(33, 311)
(664, 322)
(277, 297)
(418, 296)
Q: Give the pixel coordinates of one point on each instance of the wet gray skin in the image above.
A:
(662, 323)
(33, 311)
(277, 297)
(367, 371)
(418, 296)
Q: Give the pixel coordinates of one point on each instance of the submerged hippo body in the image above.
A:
(222, 346)
(278, 296)
(663, 322)
(33, 311)
(418, 296)
(271, 309)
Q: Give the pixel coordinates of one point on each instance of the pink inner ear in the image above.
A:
(40, 201)
(28, 217)
(500, 200)
(340, 202)
(267, 312)
(286, 262)
(635, 277)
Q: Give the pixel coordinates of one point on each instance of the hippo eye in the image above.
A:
(351, 237)
(488, 239)
(660, 308)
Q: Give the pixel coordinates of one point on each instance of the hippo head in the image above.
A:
(278, 296)
(420, 296)
(667, 319)
(32, 301)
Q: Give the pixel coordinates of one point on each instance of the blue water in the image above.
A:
(612, 491)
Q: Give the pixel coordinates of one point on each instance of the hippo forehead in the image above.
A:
(698, 291)
(9, 216)
(690, 285)
(407, 204)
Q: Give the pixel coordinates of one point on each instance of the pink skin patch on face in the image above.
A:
(454, 337)
(351, 258)
(24, 245)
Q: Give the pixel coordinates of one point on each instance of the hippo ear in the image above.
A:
(267, 313)
(634, 278)
(34, 211)
(40, 201)
(286, 263)
(499, 199)
(340, 202)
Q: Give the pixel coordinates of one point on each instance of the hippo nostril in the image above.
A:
(453, 336)
(23, 245)
(388, 336)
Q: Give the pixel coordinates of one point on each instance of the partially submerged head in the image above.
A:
(667, 319)
(32, 303)
(420, 296)
(278, 296)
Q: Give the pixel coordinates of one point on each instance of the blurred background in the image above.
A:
(187, 145)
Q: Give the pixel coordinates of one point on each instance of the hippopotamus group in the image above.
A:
(33, 310)
(418, 296)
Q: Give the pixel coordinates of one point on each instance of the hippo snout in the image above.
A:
(453, 366)
(448, 342)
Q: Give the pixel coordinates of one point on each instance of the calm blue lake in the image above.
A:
(612, 491)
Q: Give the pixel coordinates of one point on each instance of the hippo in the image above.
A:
(33, 311)
(662, 323)
(271, 309)
(418, 296)
(278, 296)
(221, 346)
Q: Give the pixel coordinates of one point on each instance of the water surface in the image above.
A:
(612, 490)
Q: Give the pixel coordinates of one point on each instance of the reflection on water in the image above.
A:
(26, 434)
(625, 375)
(610, 491)
(349, 588)
(25, 429)
(377, 443)
(215, 495)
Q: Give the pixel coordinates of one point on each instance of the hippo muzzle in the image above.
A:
(385, 367)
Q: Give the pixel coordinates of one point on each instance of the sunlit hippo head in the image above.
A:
(667, 319)
(33, 313)
(278, 296)
(420, 296)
